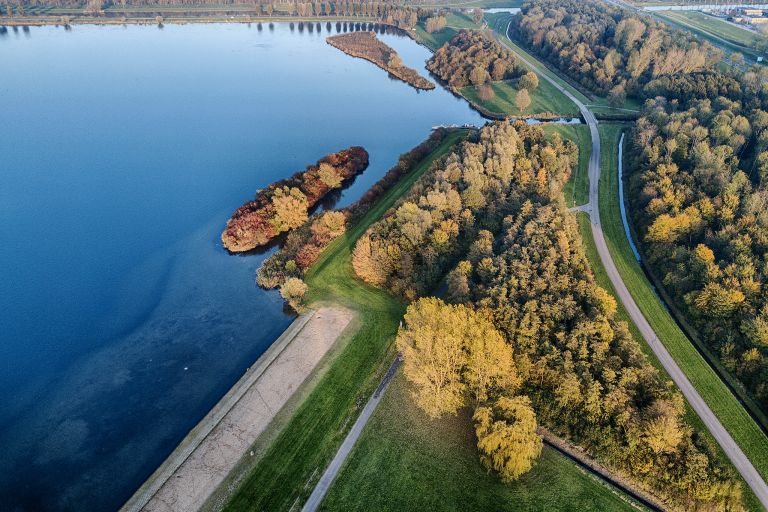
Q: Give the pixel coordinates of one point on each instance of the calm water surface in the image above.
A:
(123, 150)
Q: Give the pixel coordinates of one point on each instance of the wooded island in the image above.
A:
(285, 204)
(366, 46)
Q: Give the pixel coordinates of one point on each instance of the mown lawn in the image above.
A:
(436, 39)
(719, 398)
(405, 461)
(576, 191)
(296, 458)
(544, 100)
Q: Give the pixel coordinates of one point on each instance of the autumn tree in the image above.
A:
(328, 175)
(477, 15)
(479, 75)
(485, 92)
(470, 57)
(617, 96)
(529, 81)
(293, 291)
(522, 100)
(435, 24)
(507, 438)
(290, 207)
(452, 353)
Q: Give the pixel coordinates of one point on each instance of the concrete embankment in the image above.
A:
(214, 447)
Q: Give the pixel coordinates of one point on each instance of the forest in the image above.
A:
(609, 50)
(699, 198)
(522, 333)
(470, 57)
(697, 166)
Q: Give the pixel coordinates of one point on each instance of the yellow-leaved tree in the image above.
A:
(290, 205)
(452, 353)
(506, 436)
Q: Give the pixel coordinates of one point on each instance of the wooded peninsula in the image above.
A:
(365, 45)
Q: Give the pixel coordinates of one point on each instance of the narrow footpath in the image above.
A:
(724, 439)
(321, 489)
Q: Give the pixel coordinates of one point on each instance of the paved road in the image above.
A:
(731, 449)
(321, 489)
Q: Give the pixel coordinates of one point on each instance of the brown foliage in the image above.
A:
(257, 222)
(366, 46)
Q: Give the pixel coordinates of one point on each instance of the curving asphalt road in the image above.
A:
(731, 449)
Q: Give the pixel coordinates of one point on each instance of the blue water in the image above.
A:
(123, 150)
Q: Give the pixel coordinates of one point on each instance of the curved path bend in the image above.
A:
(729, 446)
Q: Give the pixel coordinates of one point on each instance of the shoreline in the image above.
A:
(180, 18)
(403, 73)
(201, 462)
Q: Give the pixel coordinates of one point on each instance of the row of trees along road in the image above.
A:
(526, 335)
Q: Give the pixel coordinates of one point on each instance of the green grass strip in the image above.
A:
(723, 403)
(301, 451)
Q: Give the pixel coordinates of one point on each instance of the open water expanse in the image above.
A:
(123, 151)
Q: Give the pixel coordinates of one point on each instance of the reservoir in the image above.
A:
(123, 151)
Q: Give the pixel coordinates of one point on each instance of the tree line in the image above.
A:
(609, 50)
(523, 334)
(388, 11)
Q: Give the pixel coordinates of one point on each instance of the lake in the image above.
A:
(123, 150)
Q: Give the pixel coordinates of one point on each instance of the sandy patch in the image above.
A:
(213, 448)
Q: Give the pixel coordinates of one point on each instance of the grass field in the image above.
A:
(292, 463)
(718, 27)
(576, 191)
(719, 398)
(544, 100)
(405, 461)
(436, 39)
(719, 33)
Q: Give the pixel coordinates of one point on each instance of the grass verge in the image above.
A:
(576, 190)
(292, 464)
